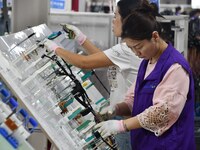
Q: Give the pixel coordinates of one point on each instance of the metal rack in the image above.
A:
(180, 28)
(47, 95)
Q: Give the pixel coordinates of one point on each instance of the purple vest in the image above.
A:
(181, 135)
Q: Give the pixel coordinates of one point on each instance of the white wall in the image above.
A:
(29, 13)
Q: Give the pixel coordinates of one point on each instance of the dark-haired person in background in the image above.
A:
(177, 10)
(163, 104)
(195, 13)
(194, 57)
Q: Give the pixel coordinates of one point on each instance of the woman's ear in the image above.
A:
(155, 36)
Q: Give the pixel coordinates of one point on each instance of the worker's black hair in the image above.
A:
(125, 7)
(141, 23)
(194, 33)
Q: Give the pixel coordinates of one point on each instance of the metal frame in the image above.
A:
(181, 32)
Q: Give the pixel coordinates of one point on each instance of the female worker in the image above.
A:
(124, 63)
(163, 105)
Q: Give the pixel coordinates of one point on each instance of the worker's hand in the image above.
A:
(107, 112)
(74, 33)
(50, 45)
(110, 127)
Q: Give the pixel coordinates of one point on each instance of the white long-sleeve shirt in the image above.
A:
(124, 73)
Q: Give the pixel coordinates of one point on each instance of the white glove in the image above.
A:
(110, 127)
(50, 45)
(79, 36)
(110, 110)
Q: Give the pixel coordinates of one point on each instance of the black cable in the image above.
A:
(98, 135)
(93, 72)
(79, 91)
(107, 143)
(97, 120)
(100, 82)
(82, 93)
(81, 102)
(22, 41)
(68, 66)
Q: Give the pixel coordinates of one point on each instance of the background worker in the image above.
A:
(194, 57)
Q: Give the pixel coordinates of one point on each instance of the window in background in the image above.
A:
(195, 4)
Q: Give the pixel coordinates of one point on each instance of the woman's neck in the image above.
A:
(161, 48)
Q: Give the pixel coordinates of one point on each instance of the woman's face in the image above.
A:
(117, 24)
(146, 49)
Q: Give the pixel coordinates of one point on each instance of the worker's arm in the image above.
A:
(132, 123)
(96, 60)
(90, 47)
(76, 34)
(110, 127)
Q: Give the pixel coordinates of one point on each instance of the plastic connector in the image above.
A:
(85, 111)
(23, 112)
(13, 142)
(5, 94)
(34, 123)
(3, 132)
(14, 104)
(54, 35)
(97, 134)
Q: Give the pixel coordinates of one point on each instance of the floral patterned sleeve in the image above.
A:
(168, 101)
